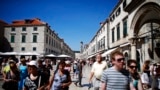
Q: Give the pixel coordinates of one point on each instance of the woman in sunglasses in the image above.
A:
(132, 68)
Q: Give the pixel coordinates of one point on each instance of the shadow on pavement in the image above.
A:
(86, 85)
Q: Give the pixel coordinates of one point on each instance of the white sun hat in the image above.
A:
(68, 62)
(75, 61)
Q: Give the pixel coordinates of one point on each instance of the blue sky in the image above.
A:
(73, 20)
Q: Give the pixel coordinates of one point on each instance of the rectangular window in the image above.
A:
(34, 48)
(47, 39)
(52, 42)
(34, 38)
(125, 28)
(50, 32)
(23, 49)
(101, 44)
(124, 3)
(104, 42)
(23, 28)
(35, 28)
(118, 31)
(23, 38)
(98, 45)
(12, 38)
(13, 29)
(112, 35)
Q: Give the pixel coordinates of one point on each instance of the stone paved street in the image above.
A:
(85, 79)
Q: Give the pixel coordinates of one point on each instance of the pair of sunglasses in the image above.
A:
(120, 59)
(133, 67)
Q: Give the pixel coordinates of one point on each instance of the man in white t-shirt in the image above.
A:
(98, 67)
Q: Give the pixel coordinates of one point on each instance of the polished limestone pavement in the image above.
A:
(85, 79)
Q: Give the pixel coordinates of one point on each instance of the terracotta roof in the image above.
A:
(1, 21)
(25, 22)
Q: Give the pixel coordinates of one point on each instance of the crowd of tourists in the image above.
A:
(38, 74)
(117, 74)
(123, 75)
(30, 74)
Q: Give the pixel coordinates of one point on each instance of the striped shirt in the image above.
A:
(116, 80)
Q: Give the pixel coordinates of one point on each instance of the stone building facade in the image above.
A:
(34, 35)
(133, 27)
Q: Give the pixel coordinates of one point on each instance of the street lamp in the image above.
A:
(155, 33)
(152, 40)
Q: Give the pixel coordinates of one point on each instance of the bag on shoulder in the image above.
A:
(6, 85)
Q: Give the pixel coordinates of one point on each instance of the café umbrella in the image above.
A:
(51, 55)
(64, 56)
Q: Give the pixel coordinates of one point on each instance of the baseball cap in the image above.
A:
(11, 61)
(33, 63)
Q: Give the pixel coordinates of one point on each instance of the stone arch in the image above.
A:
(145, 14)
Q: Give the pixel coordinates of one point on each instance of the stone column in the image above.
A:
(146, 52)
(133, 51)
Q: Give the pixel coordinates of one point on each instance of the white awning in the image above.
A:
(108, 52)
(123, 45)
(91, 56)
(29, 53)
(9, 53)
